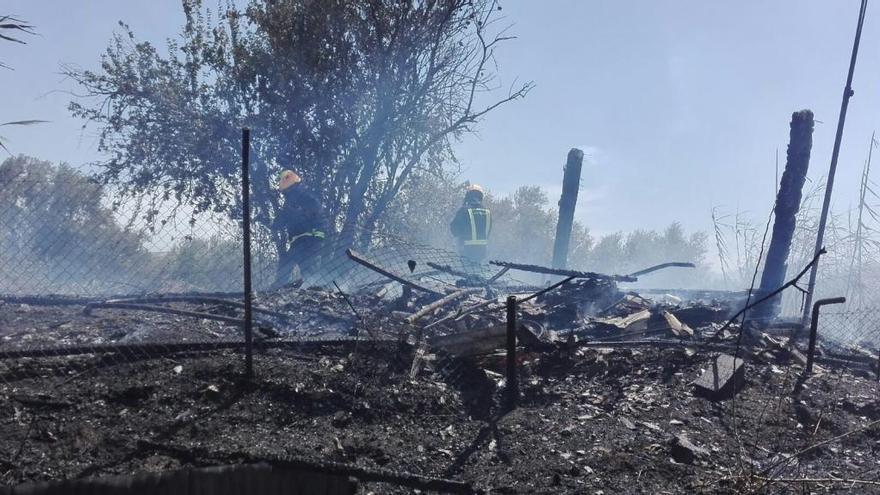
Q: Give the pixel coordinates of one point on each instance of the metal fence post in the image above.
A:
(246, 234)
(835, 152)
(512, 386)
(814, 328)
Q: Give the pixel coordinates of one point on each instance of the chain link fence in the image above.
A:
(116, 312)
(62, 235)
(125, 316)
(854, 333)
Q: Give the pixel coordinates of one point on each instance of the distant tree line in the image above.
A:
(524, 229)
(62, 228)
(365, 99)
(53, 220)
(60, 232)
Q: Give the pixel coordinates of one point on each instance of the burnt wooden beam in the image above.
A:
(571, 183)
(425, 310)
(562, 272)
(361, 260)
(661, 266)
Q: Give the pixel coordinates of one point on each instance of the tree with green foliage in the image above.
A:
(358, 96)
(54, 222)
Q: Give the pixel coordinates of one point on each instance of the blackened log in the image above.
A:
(788, 201)
(571, 182)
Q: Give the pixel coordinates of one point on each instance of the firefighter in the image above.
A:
(302, 224)
(472, 225)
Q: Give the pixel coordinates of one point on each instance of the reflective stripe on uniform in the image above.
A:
(473, 226)
(488, 222)
(478, 240)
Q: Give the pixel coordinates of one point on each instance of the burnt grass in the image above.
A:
(588, 421)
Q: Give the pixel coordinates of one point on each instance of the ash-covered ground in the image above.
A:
(597, 420)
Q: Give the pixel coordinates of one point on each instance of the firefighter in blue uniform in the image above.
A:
(472, 224)
(302, 223)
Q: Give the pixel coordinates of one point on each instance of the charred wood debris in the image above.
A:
(465, 320)
(454, 328)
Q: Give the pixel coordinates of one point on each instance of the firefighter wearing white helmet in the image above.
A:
(472, 225)
(301, 224)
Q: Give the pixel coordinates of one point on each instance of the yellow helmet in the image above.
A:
(475, 188)
(287, 179)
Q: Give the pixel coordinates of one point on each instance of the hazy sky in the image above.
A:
(679, 104)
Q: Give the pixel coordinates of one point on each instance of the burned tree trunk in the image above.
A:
(570, 184)
(788, 201)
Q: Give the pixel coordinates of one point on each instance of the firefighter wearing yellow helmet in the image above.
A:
(301, 224)
(472, 225)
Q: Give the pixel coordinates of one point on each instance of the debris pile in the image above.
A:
(620, 391)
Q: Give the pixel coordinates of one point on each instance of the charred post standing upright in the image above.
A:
(571, 182)
(788, 201)
(246, 238)
(511, 389)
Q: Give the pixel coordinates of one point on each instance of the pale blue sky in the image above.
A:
(681, 104)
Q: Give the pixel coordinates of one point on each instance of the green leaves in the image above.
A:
(358, 96)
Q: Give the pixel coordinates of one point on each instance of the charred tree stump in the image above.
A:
(788, 201)
(571, 182)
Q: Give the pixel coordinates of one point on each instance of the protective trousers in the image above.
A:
(304, 252)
